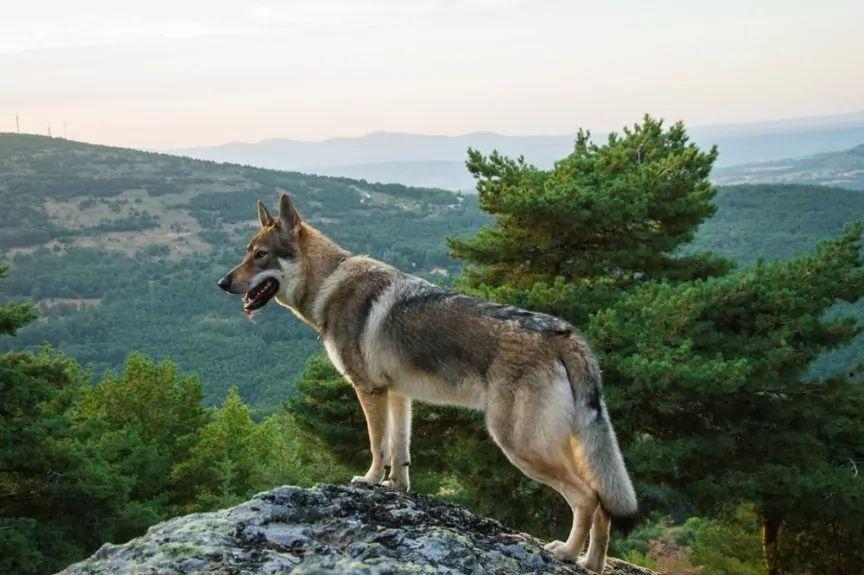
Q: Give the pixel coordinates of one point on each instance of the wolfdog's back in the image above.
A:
(450, 348)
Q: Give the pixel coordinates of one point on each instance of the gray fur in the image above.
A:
(457, 340)
(422, 321)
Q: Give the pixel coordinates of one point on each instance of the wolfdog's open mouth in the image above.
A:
(258, 296)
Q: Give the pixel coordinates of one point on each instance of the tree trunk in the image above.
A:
(770, 534)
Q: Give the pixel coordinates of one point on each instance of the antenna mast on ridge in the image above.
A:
(17, 125)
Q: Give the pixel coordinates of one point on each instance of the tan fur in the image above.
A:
(395, 337)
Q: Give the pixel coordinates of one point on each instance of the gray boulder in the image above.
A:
(354, 529)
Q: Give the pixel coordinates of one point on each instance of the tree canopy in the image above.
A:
(706, 369)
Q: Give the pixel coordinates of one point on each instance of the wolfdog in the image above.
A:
(396, 337)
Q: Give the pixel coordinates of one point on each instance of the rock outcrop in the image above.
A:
(353, 529)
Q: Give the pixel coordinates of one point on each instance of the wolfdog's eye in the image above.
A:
(260, 254)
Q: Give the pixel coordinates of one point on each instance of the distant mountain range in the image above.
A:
(438, 161)
(421, 160)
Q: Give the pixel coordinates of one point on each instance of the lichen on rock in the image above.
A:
(354, 529)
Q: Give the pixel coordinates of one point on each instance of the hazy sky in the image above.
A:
(164, 74)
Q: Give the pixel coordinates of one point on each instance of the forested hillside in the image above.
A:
(844, 169)
(121, 249)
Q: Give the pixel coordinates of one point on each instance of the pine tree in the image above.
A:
(234, 457)
(14, 315)
(56, 495)
(617, 212)
(706, 370)
(144, 421)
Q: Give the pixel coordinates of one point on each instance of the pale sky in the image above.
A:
(166, 74)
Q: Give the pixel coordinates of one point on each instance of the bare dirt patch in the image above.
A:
(76, 303)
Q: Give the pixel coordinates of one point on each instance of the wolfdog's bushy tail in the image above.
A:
(601, 454)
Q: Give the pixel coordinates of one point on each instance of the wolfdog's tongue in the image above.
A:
(259, 296)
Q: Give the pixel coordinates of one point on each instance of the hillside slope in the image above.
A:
(776, 221)
(58, 192)
(843, 169)
(122, 250)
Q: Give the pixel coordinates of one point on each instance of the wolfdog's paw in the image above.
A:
(396, 484)
(366, 479)
(561, 550)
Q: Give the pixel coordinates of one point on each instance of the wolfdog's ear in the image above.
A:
(264, 215)
(288, 216)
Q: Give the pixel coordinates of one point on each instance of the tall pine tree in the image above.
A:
(55, 493)
(705, 369)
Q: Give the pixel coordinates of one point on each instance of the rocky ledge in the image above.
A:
(330, 529)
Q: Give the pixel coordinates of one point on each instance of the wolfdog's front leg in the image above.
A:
(400, 441)
(374, 403)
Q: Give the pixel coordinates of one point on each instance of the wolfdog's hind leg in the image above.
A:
(399, 407)
(374, 404)
(595, 559)
(532, 455)
(582, 501)
(576, 492)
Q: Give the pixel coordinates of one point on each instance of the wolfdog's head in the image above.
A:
(270, 267)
